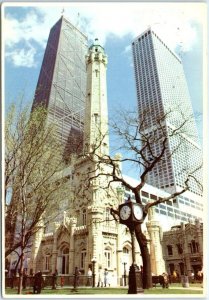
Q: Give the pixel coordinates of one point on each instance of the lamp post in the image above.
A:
(93, 271)
(124, 263)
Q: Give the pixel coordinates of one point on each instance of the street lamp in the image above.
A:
(124, 263)
(93, 271)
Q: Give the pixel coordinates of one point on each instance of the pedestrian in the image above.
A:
(89, 276)
(13, 275)
(165, 280)
(24, 282)
(200, 274)
(142, 275)
(106, 279)
(76, 278)
(99, 279)
(174, 276)
(54, 280)
(177, 274)
(37, 285)
(40, 282)
(62, 281)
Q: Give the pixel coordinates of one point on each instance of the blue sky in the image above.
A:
(26, 29)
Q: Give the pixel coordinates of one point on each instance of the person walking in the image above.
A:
(13, 275)
(62, 281)
(76, 278)
(165, 280)
(100, 283)
(54, 280)
(24, 282)
(89, 276)
(37, 285)
(106, 279)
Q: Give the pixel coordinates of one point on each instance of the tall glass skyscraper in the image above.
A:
(162, 91)
(61, 86)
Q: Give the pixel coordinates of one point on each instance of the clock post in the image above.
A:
(129, 214)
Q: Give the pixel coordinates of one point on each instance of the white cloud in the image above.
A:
(27, 29)
(127, 49)
(173, 22)
(24, 57)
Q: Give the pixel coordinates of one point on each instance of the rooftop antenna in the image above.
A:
(62, 12)
(78, 20)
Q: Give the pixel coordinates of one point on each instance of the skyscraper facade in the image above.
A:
(61, 86)
(162, 91)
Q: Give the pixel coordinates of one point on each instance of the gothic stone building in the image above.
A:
(183, 248)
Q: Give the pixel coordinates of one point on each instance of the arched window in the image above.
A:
(172, 268)
(108, 257)
(47, 260)
(179, 248)
(125, 250)
(181, 266)
(194, 247)
(107, 214)
(126, 255)
(84, 216)
(83, 258)
(170, 249)
(64, 268)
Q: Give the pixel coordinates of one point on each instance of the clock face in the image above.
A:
(138, 212)
(125, 212)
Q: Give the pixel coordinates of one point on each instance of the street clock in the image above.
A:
(130, 212)
(138, 212)
(125, 212)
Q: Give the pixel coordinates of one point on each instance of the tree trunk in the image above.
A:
(142, 241)
(20, 274)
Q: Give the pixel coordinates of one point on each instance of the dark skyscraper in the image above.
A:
(61, 86)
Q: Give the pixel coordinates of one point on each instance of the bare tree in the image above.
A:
(137, 141)
(34, 180)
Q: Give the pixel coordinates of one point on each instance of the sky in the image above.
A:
(26, 28)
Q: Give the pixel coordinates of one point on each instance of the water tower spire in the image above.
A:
(96, 113)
